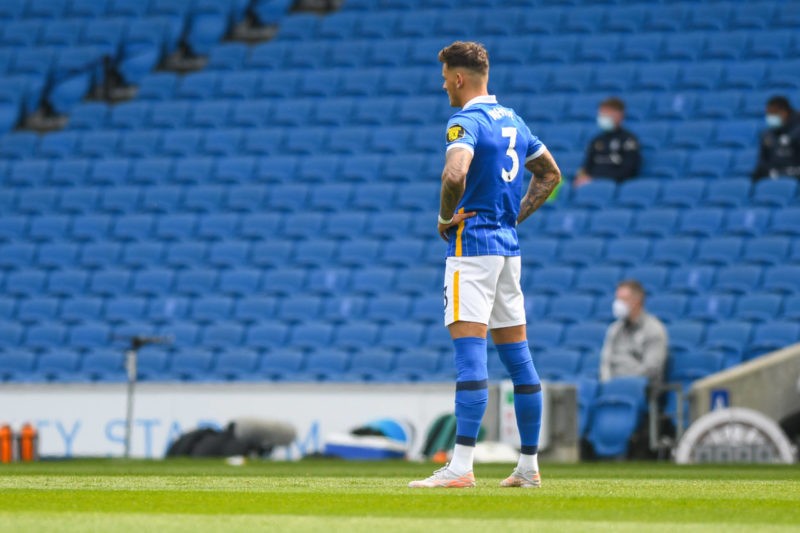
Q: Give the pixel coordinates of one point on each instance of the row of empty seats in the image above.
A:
(749, 47)
(562, 352)
(410, 299)
(281, 81)
(508, 20)
(244, 110)
(389, 275)
(642, 207)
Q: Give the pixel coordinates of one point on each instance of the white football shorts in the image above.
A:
(484, 289)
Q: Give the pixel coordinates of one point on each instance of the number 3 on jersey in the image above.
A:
(511, 134)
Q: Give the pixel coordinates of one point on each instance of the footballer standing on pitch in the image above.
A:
(481, 205)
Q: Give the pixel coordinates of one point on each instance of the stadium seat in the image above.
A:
(759, 307)
(719, 250)
(627, 251)
(786, 221)
(685, 335)
(657, 222)
(558, 364)
(773, 336)
(586, 336)
(614, 419)
(667, 307)
(782, 279)
(598, 280)
(711, 307)
(747, 222)
(702, 222)
(582, 251)
(775, 192)
(550, 280)
(571, 308)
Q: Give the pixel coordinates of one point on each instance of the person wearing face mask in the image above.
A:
(614, 153)
(779, 153)
(636, 343)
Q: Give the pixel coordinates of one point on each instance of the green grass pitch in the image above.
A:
(322, 495)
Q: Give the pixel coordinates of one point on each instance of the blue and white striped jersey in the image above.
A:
(501, 144)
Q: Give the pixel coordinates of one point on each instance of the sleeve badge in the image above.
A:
(455, 132)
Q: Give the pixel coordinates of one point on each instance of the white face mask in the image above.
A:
(605, 123)
(774, 121)
(620, 309)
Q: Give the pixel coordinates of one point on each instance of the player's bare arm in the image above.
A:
(454, 178)
(546, 177)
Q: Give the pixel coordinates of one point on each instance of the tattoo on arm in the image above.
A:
(454, 178)
(546, 176)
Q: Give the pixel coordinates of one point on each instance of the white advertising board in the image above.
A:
(89, 420)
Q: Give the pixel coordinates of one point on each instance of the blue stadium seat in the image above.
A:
(129, 309)
(373, 281)
(775, 193)
(565, 222)
(550, 280)
(685, 368)
(786, 221)
(783, 279)
(667, 307)
(273, 254)
(571, 308)
(55, 255)
(758, 307)
(638, 194)
(610, 222)
(656, 222)
(104, 365)
(691, 279)
(703, 222)
(222, 334)
(728, 193)
(614, 419)
(738, 279)
(769, 45)
(13, 227)
(356, 335)
(598, 280)
(236, 364)
(772, 336)
(558, 364)
(719, 250)
(283, 281)
(110, 282)
(185, 254)
(37, 309)
(152, 363)
(585, 336)
(153, 282)
(89, 335)
(157, 86)
(685, 335)
(711, 307)
(791, 307)
(25, 283)
(767, 250)
(582, 251)
(627, 251)
(673, 251)
(747, 222)
(190, 364)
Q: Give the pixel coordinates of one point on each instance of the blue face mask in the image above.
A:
(605, 123)
(774, 121)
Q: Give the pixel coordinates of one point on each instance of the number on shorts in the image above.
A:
(511, 133)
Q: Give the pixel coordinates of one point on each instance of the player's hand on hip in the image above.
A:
(457, 219)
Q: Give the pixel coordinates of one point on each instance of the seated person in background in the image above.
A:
(636, 343)
(614, 154)
(779, 153)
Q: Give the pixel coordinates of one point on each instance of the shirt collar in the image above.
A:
(485, 99)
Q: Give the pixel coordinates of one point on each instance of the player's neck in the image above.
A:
(469, 95)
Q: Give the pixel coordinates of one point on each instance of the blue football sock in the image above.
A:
(527, 393)
(472, 393)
